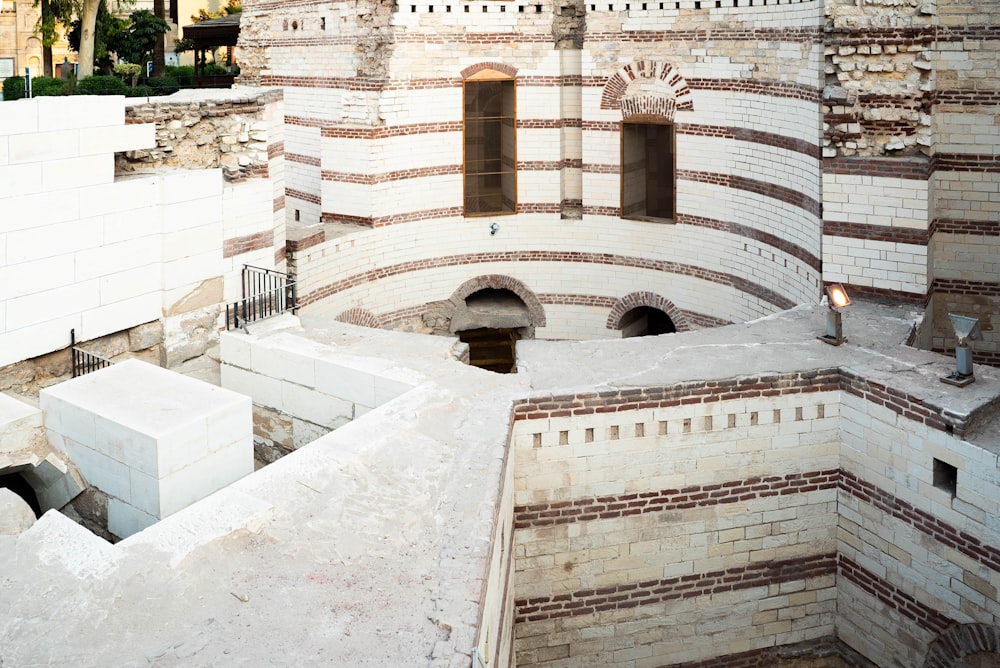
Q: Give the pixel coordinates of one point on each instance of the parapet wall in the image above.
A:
(724, 520)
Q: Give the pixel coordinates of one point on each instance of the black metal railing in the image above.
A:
(85, 361)
(266, 293)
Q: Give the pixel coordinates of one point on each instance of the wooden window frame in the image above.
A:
(648, 119)
(486, 76)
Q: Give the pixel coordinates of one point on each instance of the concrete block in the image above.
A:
(69, 173)
(114, 317)
(18, 117)
(315, 406)
(349, 384)
(191, 185)
(121, 196)
(80, 111)
(42, 146)
(18, 180)
(121, 138)
(125, 520)
(152, 427)
(285, 364)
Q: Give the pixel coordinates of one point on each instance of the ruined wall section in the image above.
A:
(330, 58)
(965, 184)
(241, 133)
(910, 111)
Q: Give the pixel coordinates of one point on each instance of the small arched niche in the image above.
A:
(646, 321)
(490, 321)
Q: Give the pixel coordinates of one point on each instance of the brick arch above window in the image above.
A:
(960, 641)
(659, 81)
(500, 282)
(359, 316)
(636, 300)
(489, 71)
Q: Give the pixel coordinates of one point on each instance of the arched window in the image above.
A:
(489, 143)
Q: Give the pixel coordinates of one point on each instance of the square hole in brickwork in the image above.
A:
(613, 432)
(663, 427)
(777, 416)
(588, 435)
(708, 423)
(564, 438)
(820, 411)
(731, 422)
(536, 440)
(798, 413)
(640, 430)
(687, 425)
(753, 419)
(945, 476)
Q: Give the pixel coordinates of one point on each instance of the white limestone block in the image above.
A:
(151, 434)
(121, 138)
(83, 111)
(41, 146)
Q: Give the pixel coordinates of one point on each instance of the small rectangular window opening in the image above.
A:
(945, 476)
(647, 171)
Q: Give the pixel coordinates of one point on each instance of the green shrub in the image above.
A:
(101, 85)
(139, 91)
(13, 88)
(214, 70)
(47, 86)
(184, 75)
(163, 85)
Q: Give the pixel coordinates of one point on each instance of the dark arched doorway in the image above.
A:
(490, 322)
(646, 321)
(16, 483)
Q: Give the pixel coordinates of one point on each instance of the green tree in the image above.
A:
(106, 27)
(137, 42)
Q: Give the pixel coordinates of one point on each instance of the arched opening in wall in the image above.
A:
(491, 322)
(16, 483)
(646, 321)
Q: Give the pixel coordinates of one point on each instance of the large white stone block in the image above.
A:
(153, 440)
(122, 138)
(80, 111)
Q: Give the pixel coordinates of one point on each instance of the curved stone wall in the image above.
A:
(374, 149)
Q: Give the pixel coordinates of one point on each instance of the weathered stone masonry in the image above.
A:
(636, 518)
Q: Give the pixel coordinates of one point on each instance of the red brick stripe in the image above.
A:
(665, 266)
(388, 177)
(631, 595)
(810, 260)
(956, 286)
(302, 159)
(781, 193)
(696, 496)
(694, 392)
(304, 196)
(986, 228)
(891, 595)
(899, 235)
(245, 244)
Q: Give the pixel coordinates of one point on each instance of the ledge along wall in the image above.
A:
(373, 144)
(668, 526)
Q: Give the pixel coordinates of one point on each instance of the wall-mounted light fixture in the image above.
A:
(493, 228)
(966, 329)
(837, 299)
